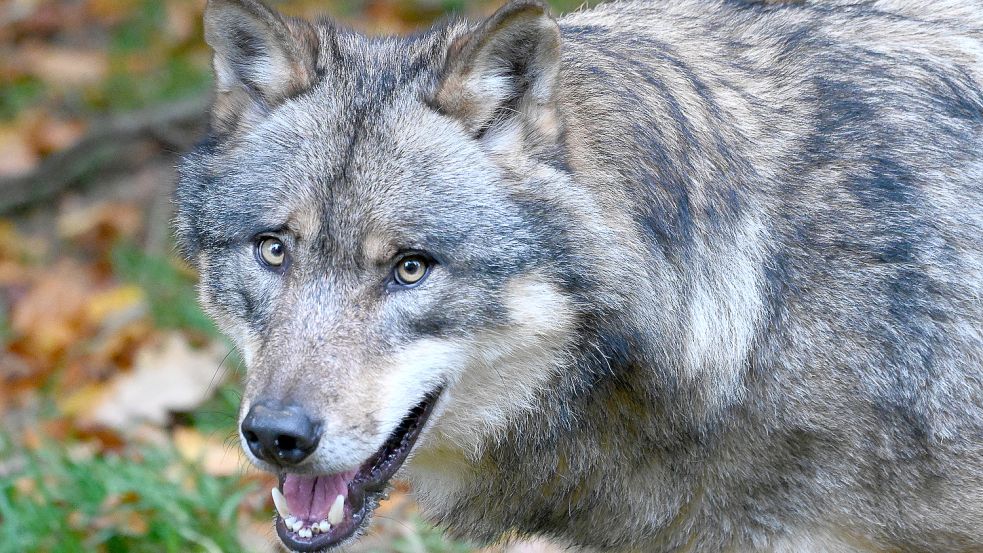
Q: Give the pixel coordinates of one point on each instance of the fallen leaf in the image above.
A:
(182, 19)
(18, 247)
(102, 222)
(214, 455)
(127, 522)
(116, 324)
(64, 67)
(80, 400)
(168, 376)
(50, 134)
(120, 303)
(258, 536)
(36, 18)
(17, 155)
(51, 316)
(28, 487)
(110, 12)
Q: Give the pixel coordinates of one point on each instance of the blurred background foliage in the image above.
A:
(118, 396)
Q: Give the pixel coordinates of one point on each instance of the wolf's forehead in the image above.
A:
(388, 167)
(365, 85)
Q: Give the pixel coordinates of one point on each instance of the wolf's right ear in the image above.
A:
(505, 68)
(261, 58)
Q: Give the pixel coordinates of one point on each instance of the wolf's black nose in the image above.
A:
(281, 435)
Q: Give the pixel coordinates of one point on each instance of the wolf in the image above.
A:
(657, 276)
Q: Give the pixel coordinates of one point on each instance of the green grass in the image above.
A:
(19, 95)
(170, 291)
(150, 501)
(425, 539)
(217, 416)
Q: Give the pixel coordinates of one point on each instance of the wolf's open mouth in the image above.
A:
(317, 512)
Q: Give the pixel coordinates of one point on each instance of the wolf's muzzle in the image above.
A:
(281, 435)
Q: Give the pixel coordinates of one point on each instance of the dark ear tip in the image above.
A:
(519, 11)
(252, 7)
(522, 8)
(532, 5)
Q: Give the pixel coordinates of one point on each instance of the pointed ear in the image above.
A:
(505, 68)
(261, 58)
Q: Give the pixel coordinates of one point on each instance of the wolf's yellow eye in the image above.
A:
(272, 251)
(411, 270)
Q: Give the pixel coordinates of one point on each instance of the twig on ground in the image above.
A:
(115, 144)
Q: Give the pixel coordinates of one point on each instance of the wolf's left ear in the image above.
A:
(261, 58)
(505, 68)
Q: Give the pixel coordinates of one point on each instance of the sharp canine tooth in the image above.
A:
(324, 526)
(280, 503)
(337, 511)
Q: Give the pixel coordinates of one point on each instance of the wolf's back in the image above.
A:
(796, 193)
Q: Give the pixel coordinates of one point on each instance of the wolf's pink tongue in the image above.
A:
(309, 498)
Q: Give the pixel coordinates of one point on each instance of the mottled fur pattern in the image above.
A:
(710, 273)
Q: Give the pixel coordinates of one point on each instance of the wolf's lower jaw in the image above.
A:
(315, 513)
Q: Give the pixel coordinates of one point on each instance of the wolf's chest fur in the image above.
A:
(702, 276)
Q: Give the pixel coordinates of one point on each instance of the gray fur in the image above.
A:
(762, 224)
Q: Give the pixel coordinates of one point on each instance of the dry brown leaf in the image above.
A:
(37, 18)
(17, 154)
(28, 487)
(126, 522)
(211, 453)
(50, 134)
(113, 349)
(182, 19)
(110, 12)
(120, 303)
(14, 274)
(168, 376)
(80, 400)
(63, 67)
(258, 502)
(114, 501)
(116, 323)
(51, 316)
(398, 502)
(258, 536)
(104, 221)
(18, 247)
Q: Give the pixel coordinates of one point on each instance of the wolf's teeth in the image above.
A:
(297, 525)
(280, 503)
(305, 533)
(337, 511)
(324, 526)
(289, 521)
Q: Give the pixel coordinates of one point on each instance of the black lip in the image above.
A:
(369, 483)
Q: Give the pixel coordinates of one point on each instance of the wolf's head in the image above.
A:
(377, 225)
